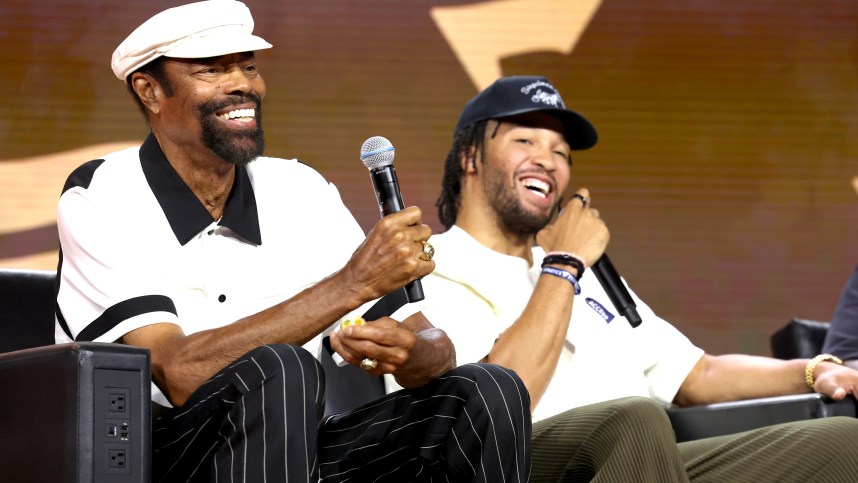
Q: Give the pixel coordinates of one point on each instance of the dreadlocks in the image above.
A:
(471, 137)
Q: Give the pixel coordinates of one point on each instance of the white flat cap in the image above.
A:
(196, 30)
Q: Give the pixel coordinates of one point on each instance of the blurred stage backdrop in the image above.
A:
(728, 128)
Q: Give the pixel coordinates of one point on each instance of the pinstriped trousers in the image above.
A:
(259, 420)
(631, 440)
(471, 424)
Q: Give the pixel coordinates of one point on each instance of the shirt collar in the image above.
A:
(185, 213)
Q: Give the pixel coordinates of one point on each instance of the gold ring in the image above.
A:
(368, 364)
(428, 251)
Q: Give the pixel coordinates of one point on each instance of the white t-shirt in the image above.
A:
(475, 294)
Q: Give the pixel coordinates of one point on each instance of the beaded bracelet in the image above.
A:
(557, 272)
(564, 258)
(570, 255)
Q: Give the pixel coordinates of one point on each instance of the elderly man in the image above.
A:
(205, 252)
(512, 287)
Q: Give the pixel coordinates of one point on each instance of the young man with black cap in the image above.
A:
(202, 250)
(512, 287)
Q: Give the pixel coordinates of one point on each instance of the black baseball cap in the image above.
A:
(509, 96)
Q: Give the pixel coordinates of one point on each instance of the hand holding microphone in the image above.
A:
(582, 227)
(377, 154)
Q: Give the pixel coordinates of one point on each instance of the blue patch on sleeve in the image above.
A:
(600, 309)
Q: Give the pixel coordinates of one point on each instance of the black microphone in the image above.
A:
(377, 155)
(608, 277)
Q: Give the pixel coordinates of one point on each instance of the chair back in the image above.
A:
(27, 302)
(799, 339)
(59, 401)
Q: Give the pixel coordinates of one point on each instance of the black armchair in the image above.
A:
(74, 412)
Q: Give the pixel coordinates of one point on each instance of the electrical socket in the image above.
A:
(118, 400)
(118, 460)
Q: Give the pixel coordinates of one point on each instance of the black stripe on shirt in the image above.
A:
(82, 175)
(124, 310)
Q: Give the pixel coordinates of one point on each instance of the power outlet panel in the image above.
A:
(114, 425)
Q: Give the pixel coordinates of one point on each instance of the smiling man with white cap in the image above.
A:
(207, 253)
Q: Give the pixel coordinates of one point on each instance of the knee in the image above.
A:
(638, 407)
(283, 360)
(637, 412)
(501, 388)
(838, 434)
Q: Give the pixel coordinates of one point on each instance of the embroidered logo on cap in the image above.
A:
(600, 309)
(552, 98)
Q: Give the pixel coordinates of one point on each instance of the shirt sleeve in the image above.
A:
(842, 337)
(104, 291)
(671, 353)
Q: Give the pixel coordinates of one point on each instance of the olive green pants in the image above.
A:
(631, 440)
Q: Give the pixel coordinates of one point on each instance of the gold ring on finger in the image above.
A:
(428, 251)
(368, 364)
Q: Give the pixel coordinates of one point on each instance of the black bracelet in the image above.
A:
(563, 259)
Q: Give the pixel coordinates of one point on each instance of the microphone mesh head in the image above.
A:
(376, 152)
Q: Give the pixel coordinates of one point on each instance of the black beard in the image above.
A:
(515, 219)
(512, 216)
(238, 148)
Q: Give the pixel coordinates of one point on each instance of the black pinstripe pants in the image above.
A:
(631, 440)
(259, 420)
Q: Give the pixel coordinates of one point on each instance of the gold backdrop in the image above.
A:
(727, 127)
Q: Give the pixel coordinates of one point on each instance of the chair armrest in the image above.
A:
(733, 417)
(75, 412)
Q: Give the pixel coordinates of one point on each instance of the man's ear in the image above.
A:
(468, 160)
(148, 91)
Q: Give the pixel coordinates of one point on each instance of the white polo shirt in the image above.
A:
(475, 294)
(138, 247)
